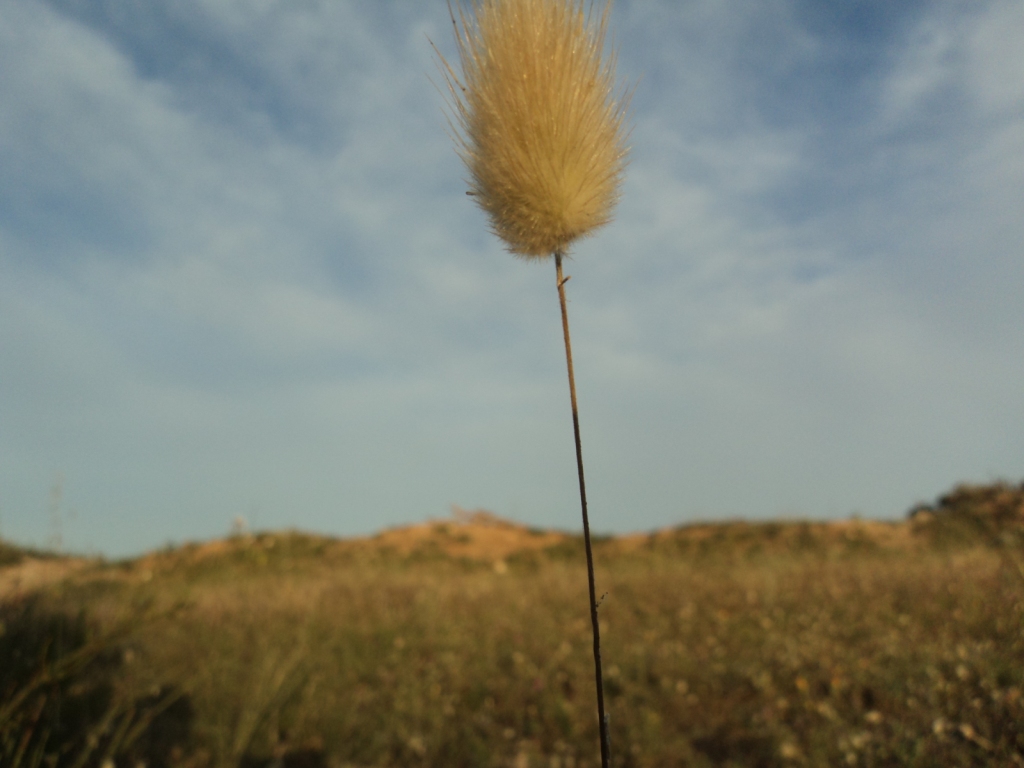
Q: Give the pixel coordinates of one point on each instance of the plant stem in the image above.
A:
(598, 676)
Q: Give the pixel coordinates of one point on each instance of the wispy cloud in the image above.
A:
(239, 275)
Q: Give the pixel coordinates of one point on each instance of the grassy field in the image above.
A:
(467, 643)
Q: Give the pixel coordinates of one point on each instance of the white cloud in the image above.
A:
(929, 62)
(995, 65)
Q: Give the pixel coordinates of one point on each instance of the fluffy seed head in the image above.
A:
(538, 125)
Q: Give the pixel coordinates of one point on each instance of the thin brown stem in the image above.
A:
(598, 676)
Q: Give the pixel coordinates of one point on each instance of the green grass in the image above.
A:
(780, 644)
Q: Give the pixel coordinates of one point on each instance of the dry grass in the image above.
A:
(31, 573)
(538, 125)
(730, 645)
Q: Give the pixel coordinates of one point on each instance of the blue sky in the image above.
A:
(239, 275)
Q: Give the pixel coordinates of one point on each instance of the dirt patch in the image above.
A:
(478, 535)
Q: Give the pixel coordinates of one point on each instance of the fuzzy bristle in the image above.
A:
(540, 129)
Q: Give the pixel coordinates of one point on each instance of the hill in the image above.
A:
(465, 642)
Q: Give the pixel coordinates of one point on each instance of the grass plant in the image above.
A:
(541, 133)
(538, 126)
